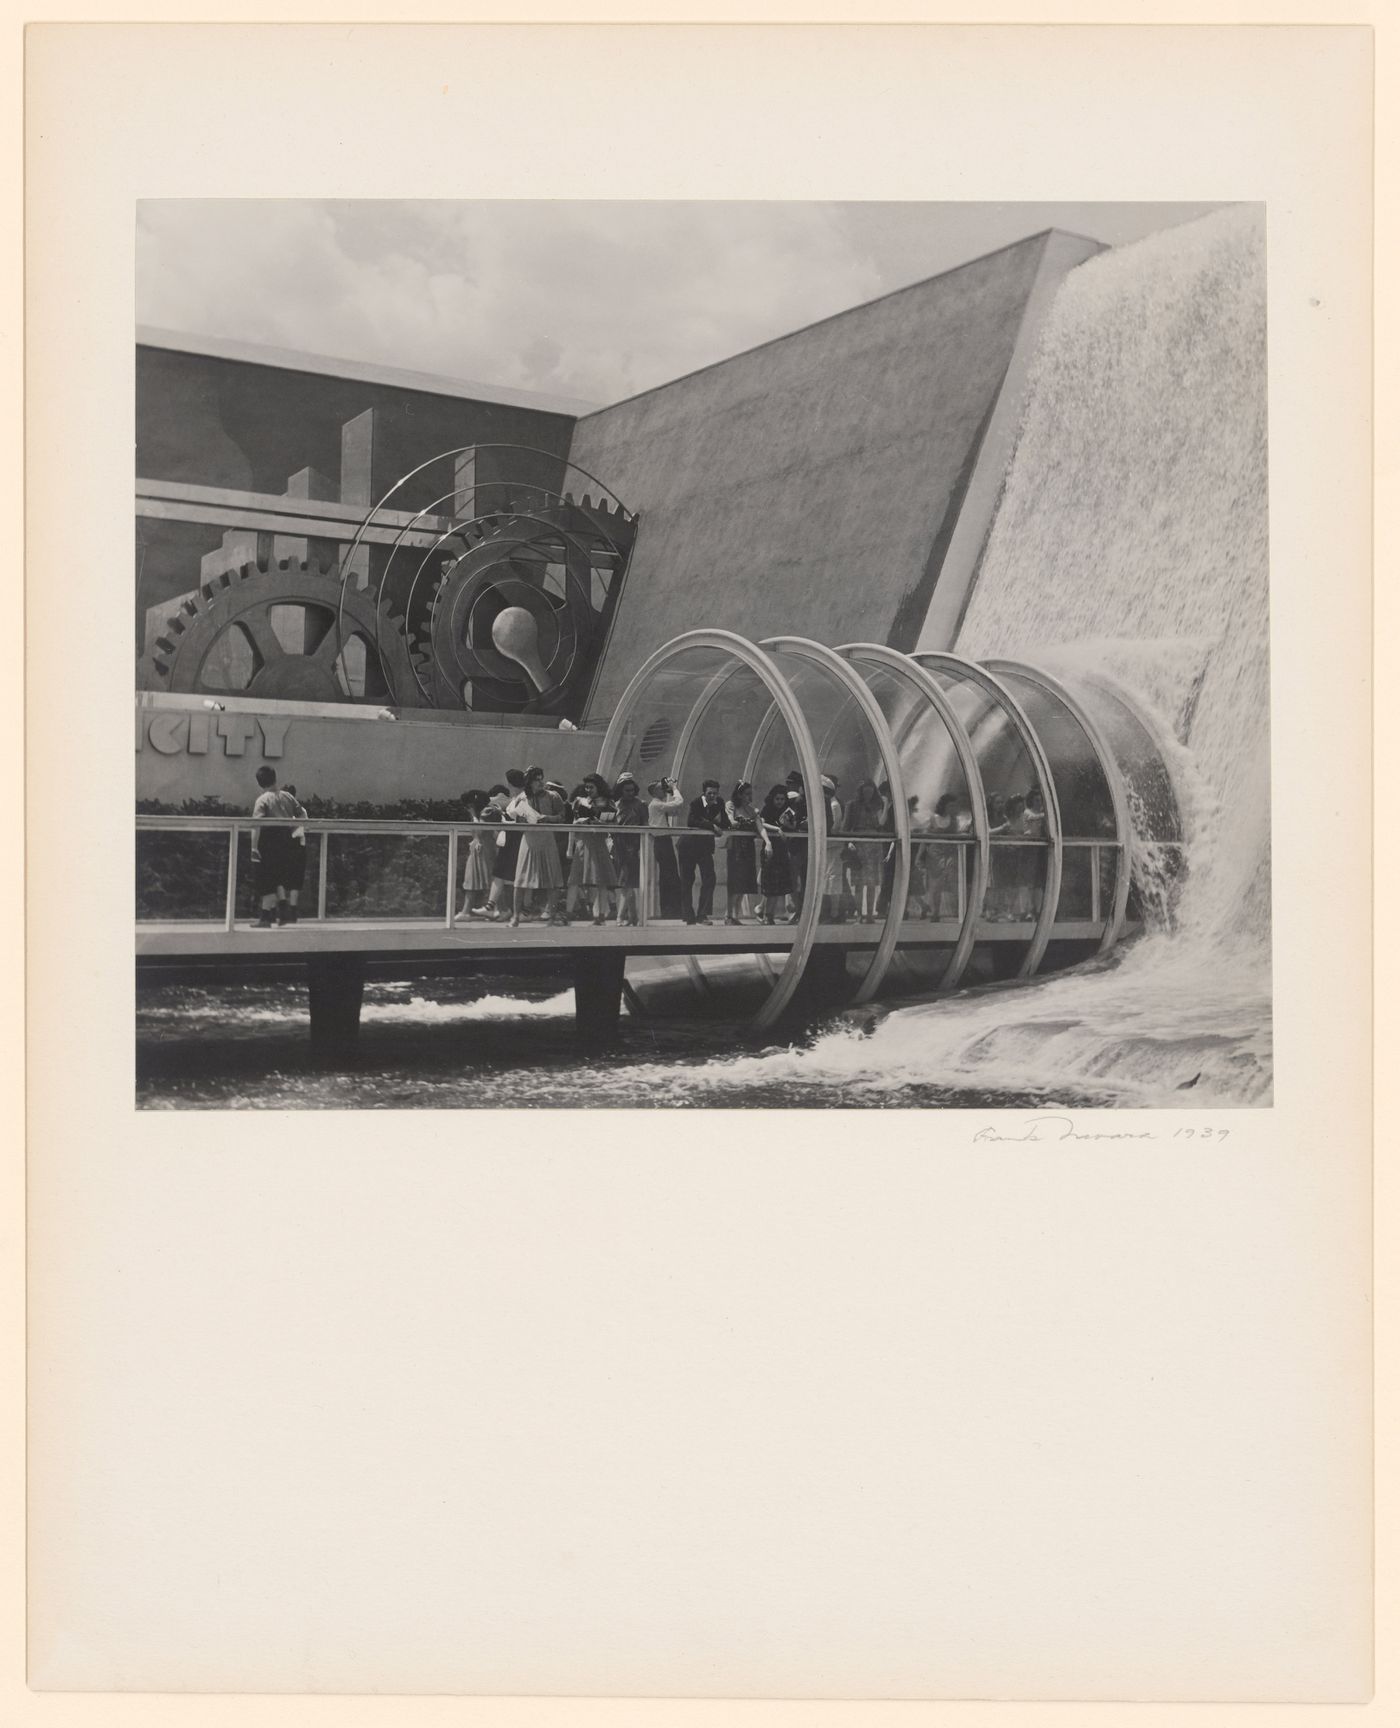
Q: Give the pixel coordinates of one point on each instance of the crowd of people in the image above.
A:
(532, 869)
(540, 852)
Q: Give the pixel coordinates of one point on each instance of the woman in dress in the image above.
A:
(741, 881)
(834, 880)
(1023, 860)
(943, 861)
(865, 814)
(592, 807)
(775, 869)
(538, 872)
(629, 812)
(476, 870)
(504, 851)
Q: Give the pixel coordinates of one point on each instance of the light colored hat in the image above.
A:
(828, 784)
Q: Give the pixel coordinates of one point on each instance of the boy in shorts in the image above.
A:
(279, 862)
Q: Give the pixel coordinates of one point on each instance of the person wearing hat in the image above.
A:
(663, 801)
(538, 872)
(630, 812)
(591, 875)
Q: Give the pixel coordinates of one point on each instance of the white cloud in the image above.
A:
(596, 300)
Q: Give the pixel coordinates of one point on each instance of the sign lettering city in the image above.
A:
(170, 733)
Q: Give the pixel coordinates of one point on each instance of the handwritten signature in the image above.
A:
(1042, 1130)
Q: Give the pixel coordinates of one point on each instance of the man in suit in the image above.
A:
(706, 818)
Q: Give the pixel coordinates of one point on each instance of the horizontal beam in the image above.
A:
(210, 942)
(281, 504)
(279, 522)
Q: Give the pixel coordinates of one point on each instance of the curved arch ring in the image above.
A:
(858, 691)
(993, 687)
(1122, 815)
(725, 641)
(904, 666)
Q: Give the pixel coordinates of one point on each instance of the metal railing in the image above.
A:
(658, 851)
(667, 879)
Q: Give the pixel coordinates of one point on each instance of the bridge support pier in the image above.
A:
(824, 985)
(598, 995)
(336, 987)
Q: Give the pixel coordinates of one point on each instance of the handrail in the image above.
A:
(373, 825)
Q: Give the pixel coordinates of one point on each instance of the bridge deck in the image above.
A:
(432, 937)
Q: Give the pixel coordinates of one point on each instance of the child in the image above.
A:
(476, 872)
(275, 852)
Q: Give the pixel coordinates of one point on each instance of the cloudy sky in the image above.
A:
(589, 300)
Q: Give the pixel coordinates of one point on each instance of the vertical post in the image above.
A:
(647, 862)
(357, 482)
(335, 992)
(231, 891)
(321, 874)
(463, 500)
(599, 981)
(451, 877)
(1095, 911)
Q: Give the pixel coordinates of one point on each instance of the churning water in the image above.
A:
(1129, 554)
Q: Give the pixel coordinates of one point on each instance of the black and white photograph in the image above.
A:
(745, 1087)
(701, 654)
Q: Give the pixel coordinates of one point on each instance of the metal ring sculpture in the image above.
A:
(927, 688)
(454, 655)
(464, 531)
(404, 479)
(804, 931)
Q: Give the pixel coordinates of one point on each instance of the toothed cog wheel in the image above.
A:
(512, 620)
(285, 633)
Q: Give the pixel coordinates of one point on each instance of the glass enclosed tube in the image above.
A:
(1090, 795)
(1023, 883)
(946, 810)
(689, 711)
(856, 751)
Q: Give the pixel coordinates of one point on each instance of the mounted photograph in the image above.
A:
(701, 655)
